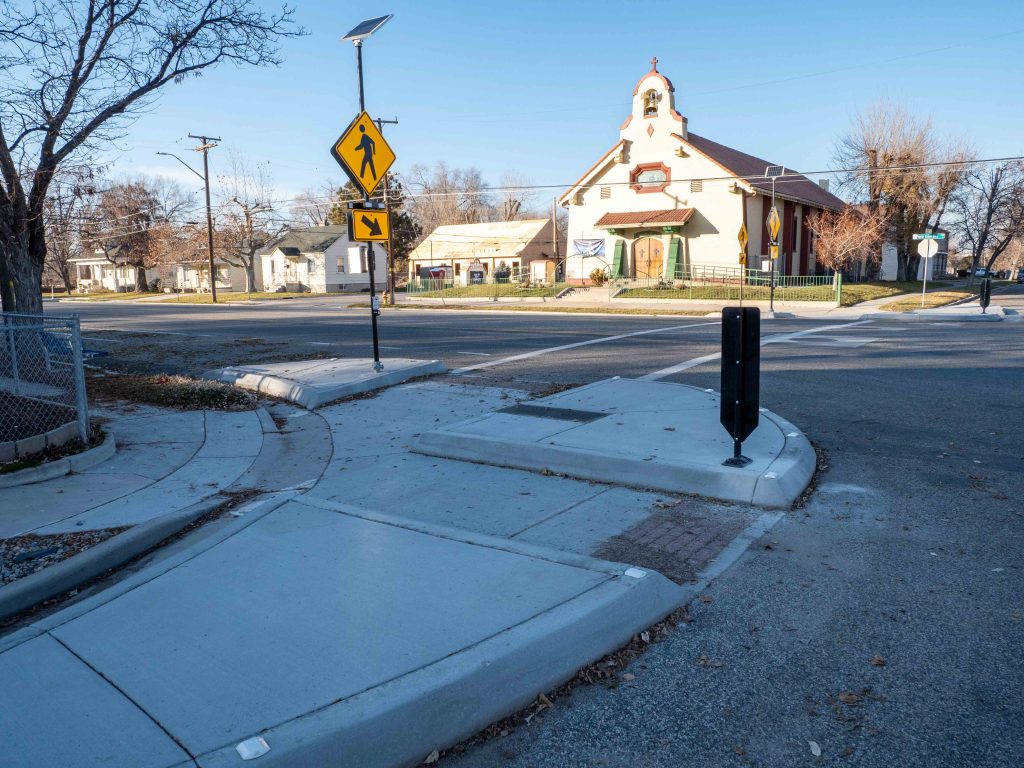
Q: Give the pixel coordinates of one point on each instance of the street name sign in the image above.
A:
(363, 154)
(929, 236)
(366, 225)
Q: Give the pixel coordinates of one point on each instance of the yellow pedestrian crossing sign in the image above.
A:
(363, 153)
(365, 224)
(773, 223)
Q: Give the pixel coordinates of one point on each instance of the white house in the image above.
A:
(471, 252)
(320, 260)
(663, 200)
(107, 272)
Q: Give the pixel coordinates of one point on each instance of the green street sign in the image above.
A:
(930, 236)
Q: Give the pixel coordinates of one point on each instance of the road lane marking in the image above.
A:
(478, 354)
(693, 363)
(549, 350)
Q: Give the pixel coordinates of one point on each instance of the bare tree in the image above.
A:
(989, 208)
(1012, 258)
(899, 166)
(63, 217)
(312, 207)
(444, 195)
(73, 72)
(517, 202)
(133, 223)
(246, 224)
(849, 236)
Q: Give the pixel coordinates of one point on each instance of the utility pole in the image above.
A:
(387, 207)
(205, 147)
(559, 269)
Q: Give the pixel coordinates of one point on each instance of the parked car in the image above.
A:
(1020, 276)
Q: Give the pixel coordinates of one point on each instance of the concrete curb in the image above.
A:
(994, 314)
(24, 593)
(61, 467)
(313, 396)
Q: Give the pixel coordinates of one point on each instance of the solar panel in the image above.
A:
(367, 28)
(774, 170)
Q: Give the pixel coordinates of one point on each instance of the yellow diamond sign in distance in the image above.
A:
(365, 224)
(742, 237)
(363, 154)
(773, 223)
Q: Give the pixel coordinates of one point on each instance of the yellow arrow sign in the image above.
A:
(742, 237)
(773, 223)
(363, 153)
(366, 225)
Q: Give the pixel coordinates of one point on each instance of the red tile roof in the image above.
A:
(637, 218)
(751, 169)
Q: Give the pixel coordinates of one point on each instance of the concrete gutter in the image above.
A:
(20, 595)
(60, 467)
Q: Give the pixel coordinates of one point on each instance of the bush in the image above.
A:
(598, 277)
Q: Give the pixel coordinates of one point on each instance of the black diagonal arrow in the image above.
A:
(372, 224)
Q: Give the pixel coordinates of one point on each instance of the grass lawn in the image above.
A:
(228, 296)
(731, 293)
(855, 293)
(546, 308)
(113, 296)
(931, 299)
(488, 291)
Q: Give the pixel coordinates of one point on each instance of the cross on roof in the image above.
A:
(654, 64)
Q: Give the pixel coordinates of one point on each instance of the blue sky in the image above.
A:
(540, 88)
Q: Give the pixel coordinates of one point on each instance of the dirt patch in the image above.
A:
(171, 391)
(22, 556)
(26, 417)
(153, 353)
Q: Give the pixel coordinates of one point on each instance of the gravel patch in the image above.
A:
(22, 556)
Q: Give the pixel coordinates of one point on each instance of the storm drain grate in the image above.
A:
(547, 412)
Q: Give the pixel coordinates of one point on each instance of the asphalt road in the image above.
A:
(909, 552)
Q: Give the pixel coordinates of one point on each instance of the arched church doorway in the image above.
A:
(648, 258)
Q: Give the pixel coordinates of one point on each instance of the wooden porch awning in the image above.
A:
(671, 217)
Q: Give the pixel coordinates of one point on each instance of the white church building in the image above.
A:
(664, 200)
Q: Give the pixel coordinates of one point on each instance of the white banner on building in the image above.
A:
(587, 248)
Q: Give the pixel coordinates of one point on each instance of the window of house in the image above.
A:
(649, 177)
(458, 268)
(341, 264)
(362, 258)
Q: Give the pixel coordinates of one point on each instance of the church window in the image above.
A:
(649, 177)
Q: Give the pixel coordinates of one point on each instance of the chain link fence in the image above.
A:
(42, 383)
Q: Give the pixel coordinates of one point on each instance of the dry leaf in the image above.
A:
(705, 599)
(628, 676)
(706, 661)
(432, 758)
(877, 661)
(739, 750)
(815, 749)
(544, 701)
(848, 697)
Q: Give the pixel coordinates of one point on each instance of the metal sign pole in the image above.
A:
(370, 264)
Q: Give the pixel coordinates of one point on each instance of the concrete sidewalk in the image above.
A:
(331, 637)
(645, 434)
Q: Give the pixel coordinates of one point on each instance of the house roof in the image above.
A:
(491, 239)
(640, 218)
(793, 186)
(306, 239)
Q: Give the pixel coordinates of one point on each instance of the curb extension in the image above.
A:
(61, 467)
(25, 593)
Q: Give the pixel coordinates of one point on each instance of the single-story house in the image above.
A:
(193, 276)
(320, 260)
(663, 201)
(466, 253)
(107, 272)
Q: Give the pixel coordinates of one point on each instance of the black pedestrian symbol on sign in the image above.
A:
(368, 148)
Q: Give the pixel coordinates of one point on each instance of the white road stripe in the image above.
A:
(478, 354)
(687, 364)
(538, 352)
